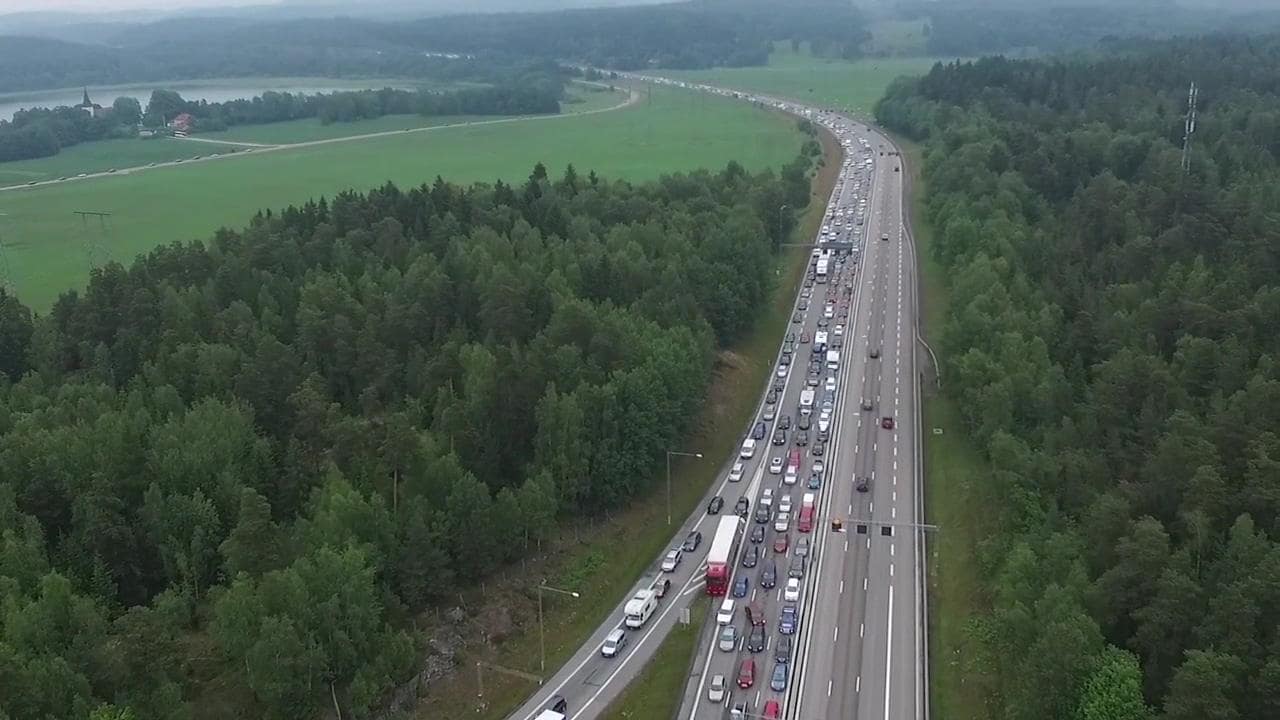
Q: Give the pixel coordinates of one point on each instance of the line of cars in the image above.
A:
(778, 509)
(833, 266)
(644, 603)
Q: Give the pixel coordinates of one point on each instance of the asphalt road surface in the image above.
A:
(858, 650)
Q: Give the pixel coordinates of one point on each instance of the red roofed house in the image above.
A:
(182, 123)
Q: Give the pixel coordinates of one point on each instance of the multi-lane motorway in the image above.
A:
(857, 647)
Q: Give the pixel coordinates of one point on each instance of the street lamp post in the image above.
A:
(542, 634)
(669, 454)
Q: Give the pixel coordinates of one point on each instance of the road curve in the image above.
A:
(860, 647)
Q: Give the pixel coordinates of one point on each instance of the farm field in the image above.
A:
(666, 131)
(854, 86)
(100, 156)
(580, 100)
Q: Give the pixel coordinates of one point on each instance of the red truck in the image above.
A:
(805, 523)
(720, 556)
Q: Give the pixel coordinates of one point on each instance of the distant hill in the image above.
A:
(699, 34)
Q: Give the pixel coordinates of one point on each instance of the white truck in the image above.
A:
(806, 401)
(833, 359)
(639, 608)
(819, 341)
(550, 715)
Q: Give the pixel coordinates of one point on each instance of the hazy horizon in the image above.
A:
(101, 6)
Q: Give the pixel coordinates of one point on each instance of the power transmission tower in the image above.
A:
(1189, 127)
(94, 249)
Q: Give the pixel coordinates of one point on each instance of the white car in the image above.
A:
(784, 503)
(818, 467)
(830, 384)
(775, 466)
(792, 592)
(782, 522)
(735, 472)
(671, 561)
(782, 370)
(766, 496)
(715, 693)
(724, 616)
(838, 330)
(824, 422)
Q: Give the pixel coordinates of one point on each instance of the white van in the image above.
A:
(614, 642)
(725, 615)
(639, 608)
(806, 401)
(748, 449)
(833, 359)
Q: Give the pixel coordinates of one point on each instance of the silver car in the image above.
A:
(715, 693)
(728, 639)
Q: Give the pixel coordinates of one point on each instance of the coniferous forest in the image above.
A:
(273, 447)
(1113, 341)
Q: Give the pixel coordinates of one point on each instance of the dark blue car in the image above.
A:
(758, 431)
(787, 623)
(741, 586)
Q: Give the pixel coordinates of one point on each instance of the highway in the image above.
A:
(859, 648)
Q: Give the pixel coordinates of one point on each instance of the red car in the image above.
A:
(772, 710)
(804, 337)
(886, 422)
(755, 613)
(781, 543)
(747, 674)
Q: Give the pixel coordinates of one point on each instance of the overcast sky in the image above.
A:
(7, 6)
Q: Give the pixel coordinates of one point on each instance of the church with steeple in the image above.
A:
(89, 106)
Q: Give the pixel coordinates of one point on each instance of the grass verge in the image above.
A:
(657, 692)
(588, 558)
(957, 501)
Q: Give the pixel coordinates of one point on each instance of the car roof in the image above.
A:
(615, 634)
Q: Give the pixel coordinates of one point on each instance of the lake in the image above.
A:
(219, 90)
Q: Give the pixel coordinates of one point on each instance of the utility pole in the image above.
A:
(669, 454)
(542, 633)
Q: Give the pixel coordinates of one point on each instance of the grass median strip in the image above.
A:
(657, 691)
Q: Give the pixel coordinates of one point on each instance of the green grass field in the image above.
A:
(580, 100)
(97, 157)
(667, 131)
(854, 86)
